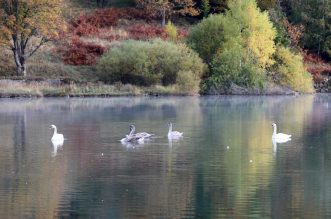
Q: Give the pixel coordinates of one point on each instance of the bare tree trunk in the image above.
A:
(21, 71)
(163, 17)
(20, 62)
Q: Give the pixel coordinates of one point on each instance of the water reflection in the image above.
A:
(56, 146)
(133, 145)
(206, 174)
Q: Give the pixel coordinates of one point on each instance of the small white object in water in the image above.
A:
(227, 147)
(250, 161)
(101, 154)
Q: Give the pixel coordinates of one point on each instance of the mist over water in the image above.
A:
(226, 166)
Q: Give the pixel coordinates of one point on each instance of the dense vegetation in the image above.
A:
(152, 63)
(206, 46)
(241, 50)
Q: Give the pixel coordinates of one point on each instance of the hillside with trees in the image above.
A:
(167, 46)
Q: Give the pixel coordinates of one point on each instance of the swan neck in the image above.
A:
(170, 128)
(275, 130)
(55, 131)
(132, 130)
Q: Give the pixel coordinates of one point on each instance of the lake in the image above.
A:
(225, 166)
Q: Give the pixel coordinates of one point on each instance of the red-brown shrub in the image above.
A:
(84, 28)
(317, 67)
(114, 37)
(81, 53)
(142, 32)
(89, 24)
(312, 58)
(317, 72)
(183, 33)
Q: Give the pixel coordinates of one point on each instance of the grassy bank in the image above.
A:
(56, 88)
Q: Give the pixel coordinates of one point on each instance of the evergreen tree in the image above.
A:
(315, 16)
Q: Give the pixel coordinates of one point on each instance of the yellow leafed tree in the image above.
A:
(26, 25)
(257, 30)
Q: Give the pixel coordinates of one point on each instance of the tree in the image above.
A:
(205, 7)
(167, 7)
(256, 29)
(237, 46)
(26, 25)
(315, 16)
(289, 70)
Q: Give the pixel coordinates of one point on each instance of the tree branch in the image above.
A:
(42, 41)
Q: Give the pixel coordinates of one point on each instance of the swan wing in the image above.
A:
(143, 135)
(58, 138)
(175, 134)
(282, 135)
(281, 140)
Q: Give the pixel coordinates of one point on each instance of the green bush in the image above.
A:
(232, 67)
(150, 63)
(289, 70)
(207, 37)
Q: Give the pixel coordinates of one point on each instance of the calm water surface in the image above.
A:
(226, 166)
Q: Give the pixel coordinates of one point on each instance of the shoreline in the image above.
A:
(56, 88)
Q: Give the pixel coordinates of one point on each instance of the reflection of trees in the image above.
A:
(309, 187)
(143, 181)
(244, 123)
(195, 177)
(19, 140)
(33, 183)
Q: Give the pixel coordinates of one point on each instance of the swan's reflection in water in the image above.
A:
(173, 142)
(56, 146)
(133, 145)
(278, 141)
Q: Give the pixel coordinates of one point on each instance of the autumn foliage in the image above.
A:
(141, 31)
(110, 24)
(317, 67)
(85, 25)
(26, 25)
(82, 53)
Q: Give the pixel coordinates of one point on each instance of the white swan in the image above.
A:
(280, 137)
(174, 134)
(58, 138)
(131, 137)
(139, 135)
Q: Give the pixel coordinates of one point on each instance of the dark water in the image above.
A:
(226, 166)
